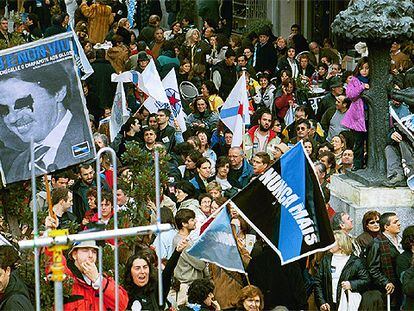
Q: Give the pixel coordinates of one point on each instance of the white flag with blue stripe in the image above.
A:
(218, 245)
(235, 111)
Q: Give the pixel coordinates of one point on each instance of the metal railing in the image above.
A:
(68, 239)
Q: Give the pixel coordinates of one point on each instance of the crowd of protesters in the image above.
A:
(205, 170)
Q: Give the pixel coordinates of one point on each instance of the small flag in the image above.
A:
(218, 245)
(120, 113)
(174, 101)
(235, 111)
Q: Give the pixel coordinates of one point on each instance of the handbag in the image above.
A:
(349, 301)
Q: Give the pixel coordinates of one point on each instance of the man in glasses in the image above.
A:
(42, 106)
(302, 131)
(289, 132)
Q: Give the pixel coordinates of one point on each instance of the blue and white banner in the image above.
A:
(218, 245)
(285, 206)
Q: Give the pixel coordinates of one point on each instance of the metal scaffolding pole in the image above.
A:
(99, 235)
(60, 239)
(158, 205)
(115, 207)
(35, 227)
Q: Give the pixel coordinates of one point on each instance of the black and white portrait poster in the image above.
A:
(41, 99)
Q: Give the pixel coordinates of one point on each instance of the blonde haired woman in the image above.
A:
(194, 49)
(339, 269)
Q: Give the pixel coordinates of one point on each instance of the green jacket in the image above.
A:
(16, 296)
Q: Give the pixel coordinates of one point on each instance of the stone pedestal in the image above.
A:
(355, 198)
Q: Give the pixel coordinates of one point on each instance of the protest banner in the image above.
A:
(42, 99)
(286, 208)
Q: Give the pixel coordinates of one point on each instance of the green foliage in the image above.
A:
(140, 186)
(302, 86)
(15, 40)
(255, 25)
(188, 8)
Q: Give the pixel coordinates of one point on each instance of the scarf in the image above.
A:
(363, 79)
(385, 258)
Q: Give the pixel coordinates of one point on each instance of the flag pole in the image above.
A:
(49, 197)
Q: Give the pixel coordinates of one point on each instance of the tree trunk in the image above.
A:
(378, 115)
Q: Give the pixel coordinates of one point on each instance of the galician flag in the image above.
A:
(218, 245)
(235, 111)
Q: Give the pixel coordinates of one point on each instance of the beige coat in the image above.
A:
(100, 19)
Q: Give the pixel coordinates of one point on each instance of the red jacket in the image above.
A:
(85, 297)
(282, 104)
(272, 134)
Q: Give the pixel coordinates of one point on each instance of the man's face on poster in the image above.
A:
(28, 109)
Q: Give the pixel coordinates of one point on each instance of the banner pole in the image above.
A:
(388, 302)
(115, 207)
(49, 197)
(158, 205)
(35, 228)
(58, 295)
(99, 195)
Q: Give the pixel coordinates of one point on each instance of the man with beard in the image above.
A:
(81, 187)
(260, 138)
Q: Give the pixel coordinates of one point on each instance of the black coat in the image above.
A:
(101, 84)
(329, 100)
(16, 296)
(353, 271)
(281, 285)
(404, 262)
(266, 58)
(283, 64)
(377, 272)
(228, 76)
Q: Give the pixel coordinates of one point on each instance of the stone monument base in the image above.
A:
(355, 198)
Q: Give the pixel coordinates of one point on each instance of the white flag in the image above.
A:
(173, 94)
(120, 113)
(149, 82)
(235, 111)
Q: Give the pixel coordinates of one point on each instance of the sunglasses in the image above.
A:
(373, 222)
(21, 103)
(299, 128)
